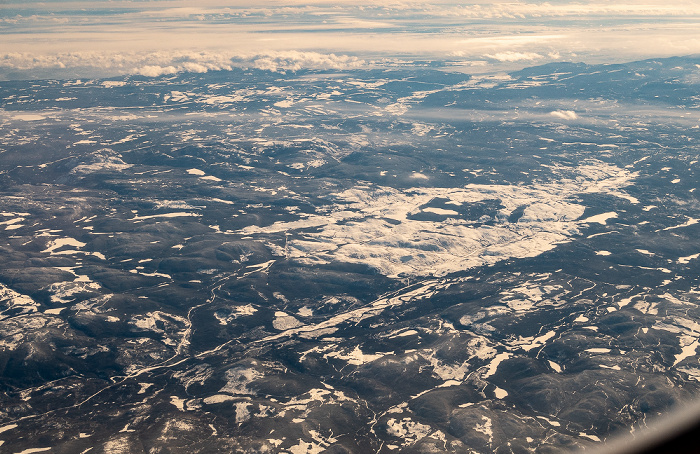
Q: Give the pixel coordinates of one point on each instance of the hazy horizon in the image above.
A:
(151, 38)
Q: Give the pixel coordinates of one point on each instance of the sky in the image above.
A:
(161, 37)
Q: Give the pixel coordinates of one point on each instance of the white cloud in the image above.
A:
(153, 64)
(155, 71)
(419, 176)
(564, 114)
(511, 56)
(295, 60)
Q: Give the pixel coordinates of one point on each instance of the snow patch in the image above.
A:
(60, 243)
(366, 225)
(218, 399)
(356, 357)
(688, 345)
(685, 260)
(8, 427)
(178, 402)
(493, 366)
(164, 215)
(284, 321)
(306, 448)
(538, 341)
(486, 428)
(500, 393)
(238, 380)
(600, 218)
(408, 430)
(557, 368)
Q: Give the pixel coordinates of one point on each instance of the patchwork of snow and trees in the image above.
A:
(349, 261)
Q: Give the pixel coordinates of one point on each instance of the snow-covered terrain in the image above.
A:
(404, 259)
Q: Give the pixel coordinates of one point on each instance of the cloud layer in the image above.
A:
(161, 37)
(153, 64)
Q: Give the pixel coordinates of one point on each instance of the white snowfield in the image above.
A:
(374, 225)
